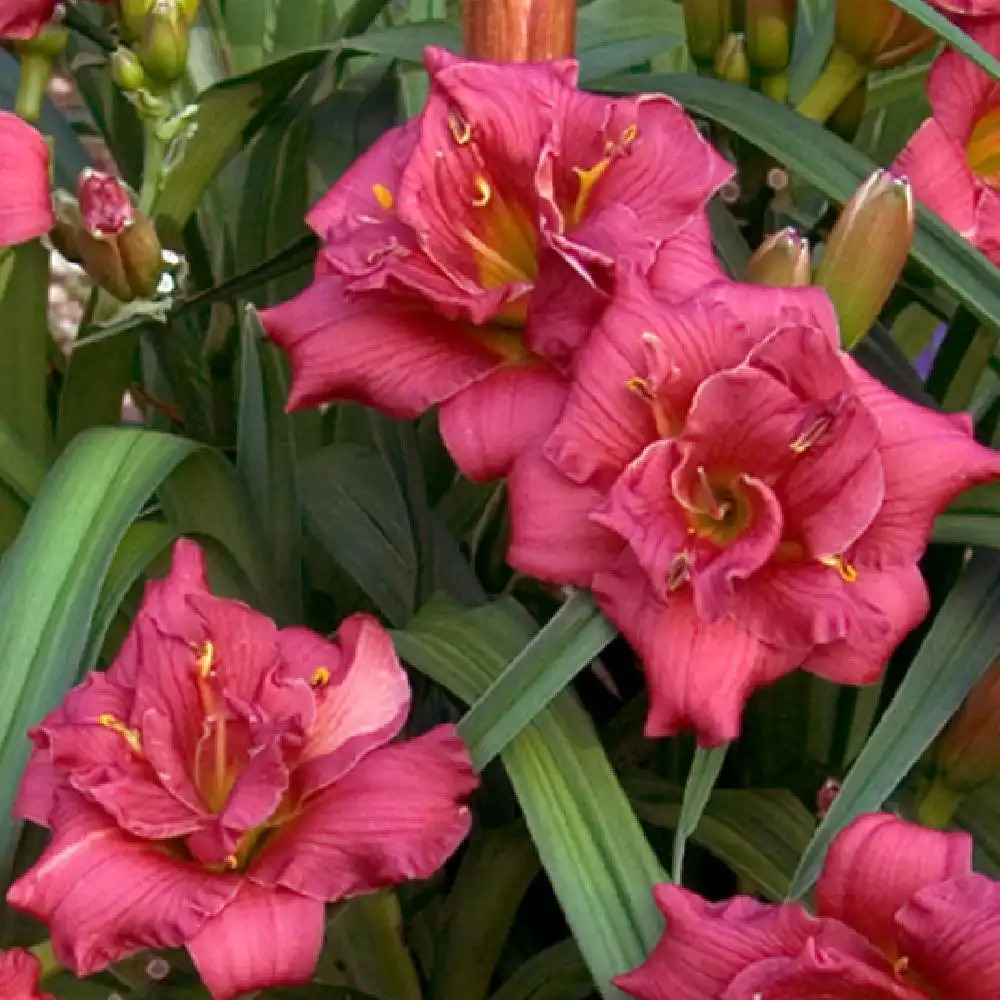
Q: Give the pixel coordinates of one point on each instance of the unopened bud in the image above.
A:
(64, 234)
(707, 23)
(126, 70)
(783, 260)
(118, 245)
(878, 34)
(770, 25)
(519, 30)
(162, 45)
(731, 60)
(866, 252)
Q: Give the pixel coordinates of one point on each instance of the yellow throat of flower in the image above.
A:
(983, 149)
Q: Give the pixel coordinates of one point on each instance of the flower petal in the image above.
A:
(686, 262)
(20, 974)
(699, 675)
(398, 815)
(959, 91)
(877, 864)
(25, 200)
(264, 937)
(487, 425)
(105, 895)
(552, 535)
(951, 933)
(375, 349)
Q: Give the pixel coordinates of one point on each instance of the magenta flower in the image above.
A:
(741, 498)
(953, 159)
(902, 917)
(25, 199)
(466, 254)
(20, 975)
(223, 781)
(20, 19)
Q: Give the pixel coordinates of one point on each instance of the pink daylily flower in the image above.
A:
(25, 198)
(20, 19)
(20, 975)
(739, 495)
(223, 781)
(967, 8)
(467, 254)
(953, 159)
(900, 917)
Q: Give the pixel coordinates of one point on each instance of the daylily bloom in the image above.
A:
(25, 199)
(901, 917)
(953, 159)
(20, 974)
(739, 495)
(467, 253)
(222, 781)
(23, 18)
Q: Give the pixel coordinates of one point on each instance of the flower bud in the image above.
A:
(770, 25)
(64, 235)
(126, 70)
(519, 30)
(783, 260)
(968, 751)
(132, 16)
(162, 46)
(878, 34)
(866, 251)
(117, 244)
(731, 60)
(706, 23)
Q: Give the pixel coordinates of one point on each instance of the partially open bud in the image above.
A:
(770, 25)
(162, 45)
(731, 60)
(519, 30)
(878, 34)
(117, 244)
(707, 23)
(783, 260)
(866, 252)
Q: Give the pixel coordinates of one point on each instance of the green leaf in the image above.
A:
(547, 665)
(701, 779)
(50, 579)
(834, 167)
(961, 644)
(24, 343)
(598, 861)
(558, 973)
(20, 468)
(492, 880)
(972, 519)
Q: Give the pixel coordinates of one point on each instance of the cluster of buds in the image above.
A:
(864, 256)
(104, 231)
(158, 33)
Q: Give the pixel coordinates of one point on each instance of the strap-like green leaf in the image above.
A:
(701, 780)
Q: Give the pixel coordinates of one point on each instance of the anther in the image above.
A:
(848, 572)
(206, 658)
(630, 134)
(231, 862)
(901, 965)
(320, 677)
(485, 192)
(679, 571)
(383, 196)
(130, 736)
(640, 387)
(461, 130)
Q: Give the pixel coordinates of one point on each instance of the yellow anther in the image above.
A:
(848, 573)
(130, 736)
(630, 134)
(461, 130)
(485, 192)
(383, 196)
(231, 862)
(206, 658)
(320, 677)
(640, 387)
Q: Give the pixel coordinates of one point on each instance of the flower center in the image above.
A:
(722, 511)
(983, 149)
(214, 772)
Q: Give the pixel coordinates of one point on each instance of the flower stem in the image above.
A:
(46, 958)
(35, 72)
(840, 76)
(155, 151)
(937, 805)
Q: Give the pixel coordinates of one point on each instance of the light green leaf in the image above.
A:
(701, 779)
(20, 467)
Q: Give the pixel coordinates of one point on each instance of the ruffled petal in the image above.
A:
(105, 895)
(959, 91)
(20, 975)
(25, 200)
(263, 938)
(398, 815)
(487, 425)
(552, 535)
(686, 262)
(951, 933)
(876, 866)
(374, 349)
(699, 675)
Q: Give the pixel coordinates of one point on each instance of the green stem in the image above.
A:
(46, 959)
(840, 76)
(938, 804)
(35, 72)
(155, 151)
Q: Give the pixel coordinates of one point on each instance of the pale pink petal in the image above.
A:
(398, 815)
(901, 595)
(928, 458)
(105, 895)
(699, 675)
(25, 200)
(877, 864)
(487, 425)
(263, 938)
(373, 348)
(951, 933)
(552, 535)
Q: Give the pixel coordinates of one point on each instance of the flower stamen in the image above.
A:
(640, 387)
(206, 659)
(130, 736)
(679, 572)
(461, 130)
(383, 196)
(484, 192)
(320, 677)
(848, 572)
